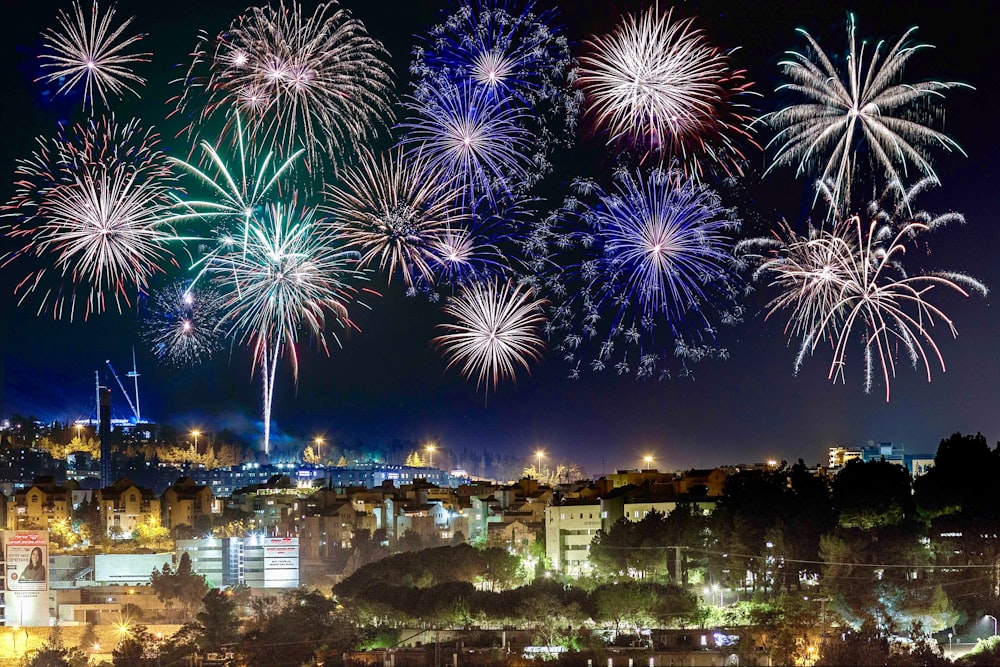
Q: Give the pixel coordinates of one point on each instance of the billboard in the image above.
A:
(26, 577)
(281, 562)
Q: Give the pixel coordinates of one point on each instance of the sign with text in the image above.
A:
(26, 577)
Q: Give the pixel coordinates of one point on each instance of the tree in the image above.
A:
(183, 585)
(151, 534)
(217, 623)
(138, 648)
(54, 654)
(872, 493)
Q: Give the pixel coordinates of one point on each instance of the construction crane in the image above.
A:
(132, 374)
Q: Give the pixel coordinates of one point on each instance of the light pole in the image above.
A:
(994, 623)
(538, 467)
(78, 427)
(949, 643)
(319, 445)
(430, 454)
(195, 434)
(648, 460)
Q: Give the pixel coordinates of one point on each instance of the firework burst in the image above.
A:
(181, 323)
(397, 213)
(652, 274)
(469, 138)
(91, 52)
(291, 276)
(90, 209)
(849, 283)
(869, 106)
(658, 85)
(497, 329)
(317, 81)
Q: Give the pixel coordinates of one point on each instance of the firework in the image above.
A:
(497, 329)
(515, 53)
(397, 213)
(652, 273)
(849, 282)
(466, 136)
(657, 84)
(181, 324)
(236, 195)
(90, 209)
(868, 106)
(314, 81)
(290, 276)
(91, 52)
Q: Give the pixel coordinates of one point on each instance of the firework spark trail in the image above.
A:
(466, 136)
(397, 213)
(850, 282)
(497, 329)
(658, 85)
(292, 275)
(90, 208)
(870, 104)
(320, 82)
(235, 196)
(181, 323)
(90, 51)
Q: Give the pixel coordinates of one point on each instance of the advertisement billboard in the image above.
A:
(26, 577)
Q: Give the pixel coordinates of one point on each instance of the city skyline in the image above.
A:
(388, 382)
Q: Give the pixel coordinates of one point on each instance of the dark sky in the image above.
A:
(388, 383)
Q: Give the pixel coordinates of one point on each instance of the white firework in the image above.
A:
(657, 84)
(869, 106)
(92, 52)
(497, 330)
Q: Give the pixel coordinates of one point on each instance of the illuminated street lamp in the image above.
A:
(539, 454)
(196, 434)
(78, 427)
(994, 623)
(318, 440)
(648, 461)
(431, 448)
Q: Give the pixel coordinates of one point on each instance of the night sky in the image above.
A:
(388, 383)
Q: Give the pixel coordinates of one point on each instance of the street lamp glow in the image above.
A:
(538, 455)
(994, 623)
(195, 434)
(318, 440)
(431, 448)
(648, 460)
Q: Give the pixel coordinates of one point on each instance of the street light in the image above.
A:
(319, 444)
(196, 434)
(538, 468)
(430, 454)
(994, 623)
(649, 461)
(949, 642)
(78, 427)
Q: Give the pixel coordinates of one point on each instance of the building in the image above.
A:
(915, 464)
(42, 503)
(123, 506)
(569, 530)
(256, 561)
(185, 503)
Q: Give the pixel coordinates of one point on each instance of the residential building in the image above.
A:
(569, 530)
(41, 503)
(123, 506)
(185, 503)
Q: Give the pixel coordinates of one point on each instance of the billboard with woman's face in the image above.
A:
(26, 576)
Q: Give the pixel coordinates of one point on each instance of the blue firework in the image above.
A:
(652, 276)
(465, 134)
(513, 52)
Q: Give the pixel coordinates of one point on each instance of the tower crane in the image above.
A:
(132, 374)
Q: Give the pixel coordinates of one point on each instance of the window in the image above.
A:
(131, 498)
